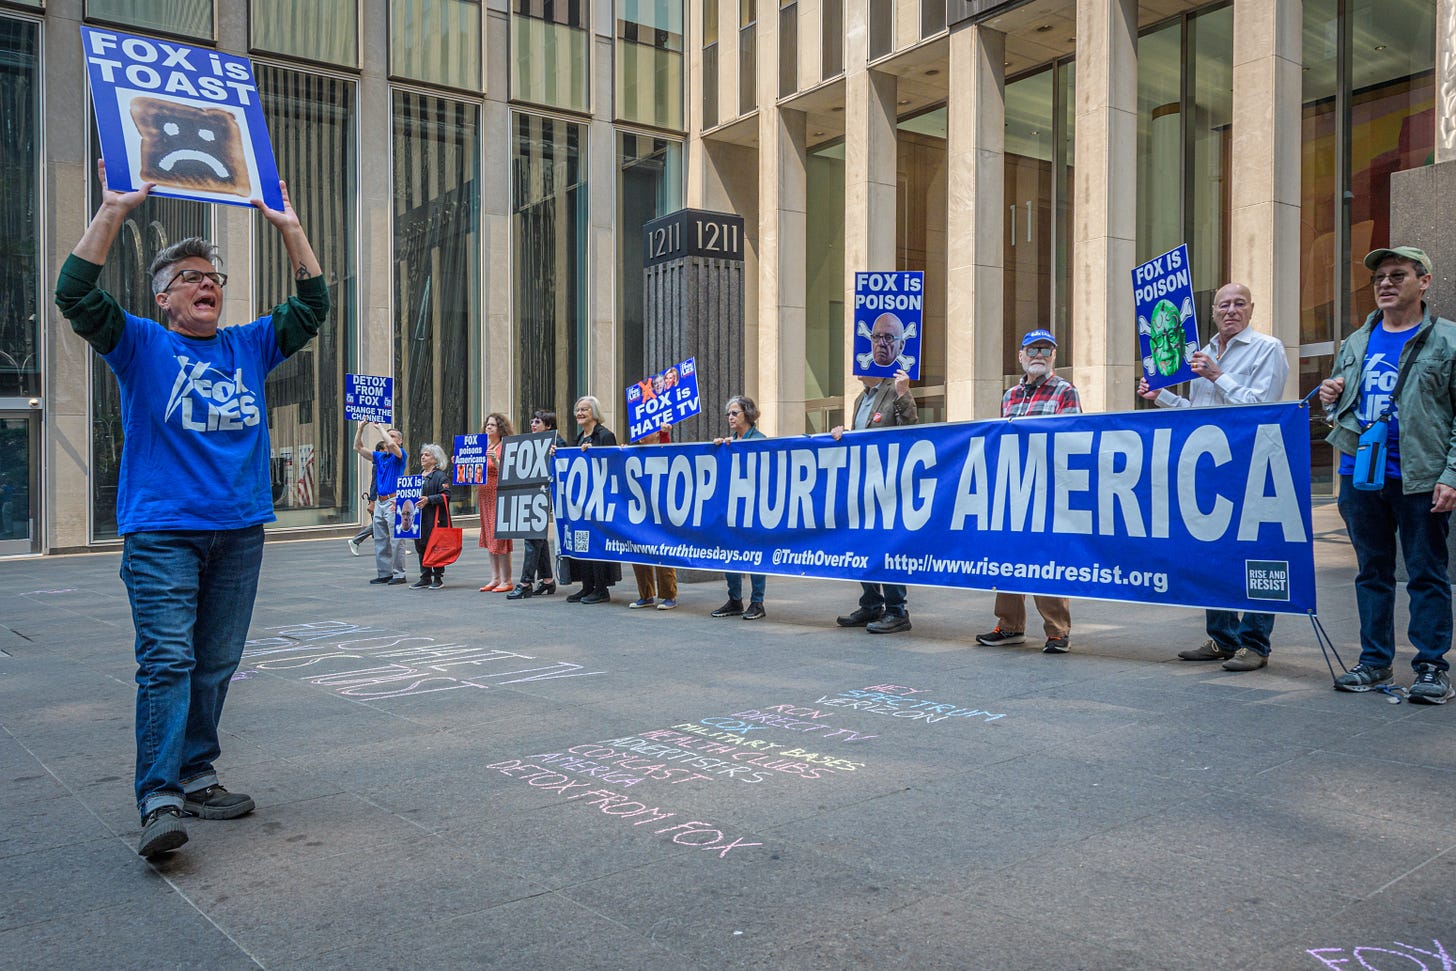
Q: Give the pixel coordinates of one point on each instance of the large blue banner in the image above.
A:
(1204, 507)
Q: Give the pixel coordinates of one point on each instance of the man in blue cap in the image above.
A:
(1039, 392)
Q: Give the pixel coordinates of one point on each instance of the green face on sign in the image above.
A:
(1166, 339)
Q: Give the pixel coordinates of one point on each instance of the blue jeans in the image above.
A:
(889, 597)
(757, 582)
(1372, 520)
(191, 595)
(1231, 633)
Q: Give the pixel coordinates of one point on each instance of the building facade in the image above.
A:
(476, 175)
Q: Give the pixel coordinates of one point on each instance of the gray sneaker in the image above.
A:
(1207, 651)
(1362, 677)
(1432, 686)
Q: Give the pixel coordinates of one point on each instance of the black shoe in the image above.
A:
(545, 588)
(861, 617)
(215, 802)
(576, 598)
(522, 591)
(730, 609)
(755, 611)
(437, 584)
(596, 597)
(889, 624)
(421, 584)
(380, 580)
(162, 831)
(396, 581)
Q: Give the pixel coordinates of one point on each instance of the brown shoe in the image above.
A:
(1207, 651)
(1245, 660)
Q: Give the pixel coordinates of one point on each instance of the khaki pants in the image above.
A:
(665, 586)
(1056, 613)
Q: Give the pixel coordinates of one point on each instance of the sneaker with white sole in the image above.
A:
(998, 637)
(1362, 677)
(1431, 687)
(643, 603)
(667, 604)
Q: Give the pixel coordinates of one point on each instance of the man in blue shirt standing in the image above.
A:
(389, 465)
(1418, 492)
(194, 491)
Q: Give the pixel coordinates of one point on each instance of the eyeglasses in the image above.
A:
(193, 277)
(732, 413)
(884, 338)
(535, 421)
(1396, 278)
(1038, 350)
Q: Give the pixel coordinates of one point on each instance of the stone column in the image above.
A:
(869, 189)
(976, 144)
(782, 238)
(1265, 170)
(497, 376)
(1104, 226)
(602, 378)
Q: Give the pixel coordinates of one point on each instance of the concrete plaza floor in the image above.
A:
(446, 779)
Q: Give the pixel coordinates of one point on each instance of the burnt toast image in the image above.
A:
(184, 147)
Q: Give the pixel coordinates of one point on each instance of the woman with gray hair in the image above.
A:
(595, 575)
(433, 511)
(742, 416)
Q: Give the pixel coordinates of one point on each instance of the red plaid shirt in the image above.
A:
(1049, 396)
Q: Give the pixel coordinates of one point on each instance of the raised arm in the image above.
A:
(301, 257)
(101, 232)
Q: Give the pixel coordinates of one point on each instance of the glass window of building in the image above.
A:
(882, 27)
(183, 18)
(311, 121)
(155, 224)
(436, 257)
(824, 277)
(747, 56)
(548, 249)
(321, 30)
(550, 45)
(788, 48)
(436, 41)
(20, 286)
(649, 184)
(932, 17)
(832, 12)
(922, 201)
(650, 62)
(1036, 236)
(1185, 142)
(710, 63)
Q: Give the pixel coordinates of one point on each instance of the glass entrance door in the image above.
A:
(19, 483)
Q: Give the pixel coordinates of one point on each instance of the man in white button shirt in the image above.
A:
(1239, 366)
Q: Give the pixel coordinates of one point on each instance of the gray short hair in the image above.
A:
(181, 250)
(437, 452)
(594, 405)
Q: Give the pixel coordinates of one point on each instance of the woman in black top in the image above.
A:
(433, 510)
(594, 574)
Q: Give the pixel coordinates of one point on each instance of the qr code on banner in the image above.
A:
(581, 541)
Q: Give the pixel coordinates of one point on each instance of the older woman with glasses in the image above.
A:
(433, 511)
(742, 416)
(595, 576)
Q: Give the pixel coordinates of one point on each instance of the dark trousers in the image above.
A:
(538, 561)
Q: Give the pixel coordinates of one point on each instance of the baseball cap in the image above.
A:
(1040, 334)
(1374, 258)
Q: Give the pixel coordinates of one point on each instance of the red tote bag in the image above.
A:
(445, 543)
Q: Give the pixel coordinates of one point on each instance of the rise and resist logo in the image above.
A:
(210, 400)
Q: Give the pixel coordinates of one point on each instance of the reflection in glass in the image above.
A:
(436, 41)
(549, 53)
(311, 120)
(824, 328)
(650, 62)
(322, 30)
(833, 40)
(1159, 144)
(436, 260)
(920, 241)
(185, 18)
(20, 289)
(649, 184)
(548, 248)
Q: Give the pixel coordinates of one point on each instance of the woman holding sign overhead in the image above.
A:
(496, 427)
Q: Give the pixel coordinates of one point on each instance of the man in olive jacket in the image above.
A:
(1419, 490)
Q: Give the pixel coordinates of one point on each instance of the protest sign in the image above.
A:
(469, 459)
(186, 118)
(523, 493)
(1166, 322)
(407, 507)
(667, 397)
(368, 397)
(888, 312)
(1204, 507)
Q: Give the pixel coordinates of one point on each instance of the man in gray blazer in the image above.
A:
(884, 403)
